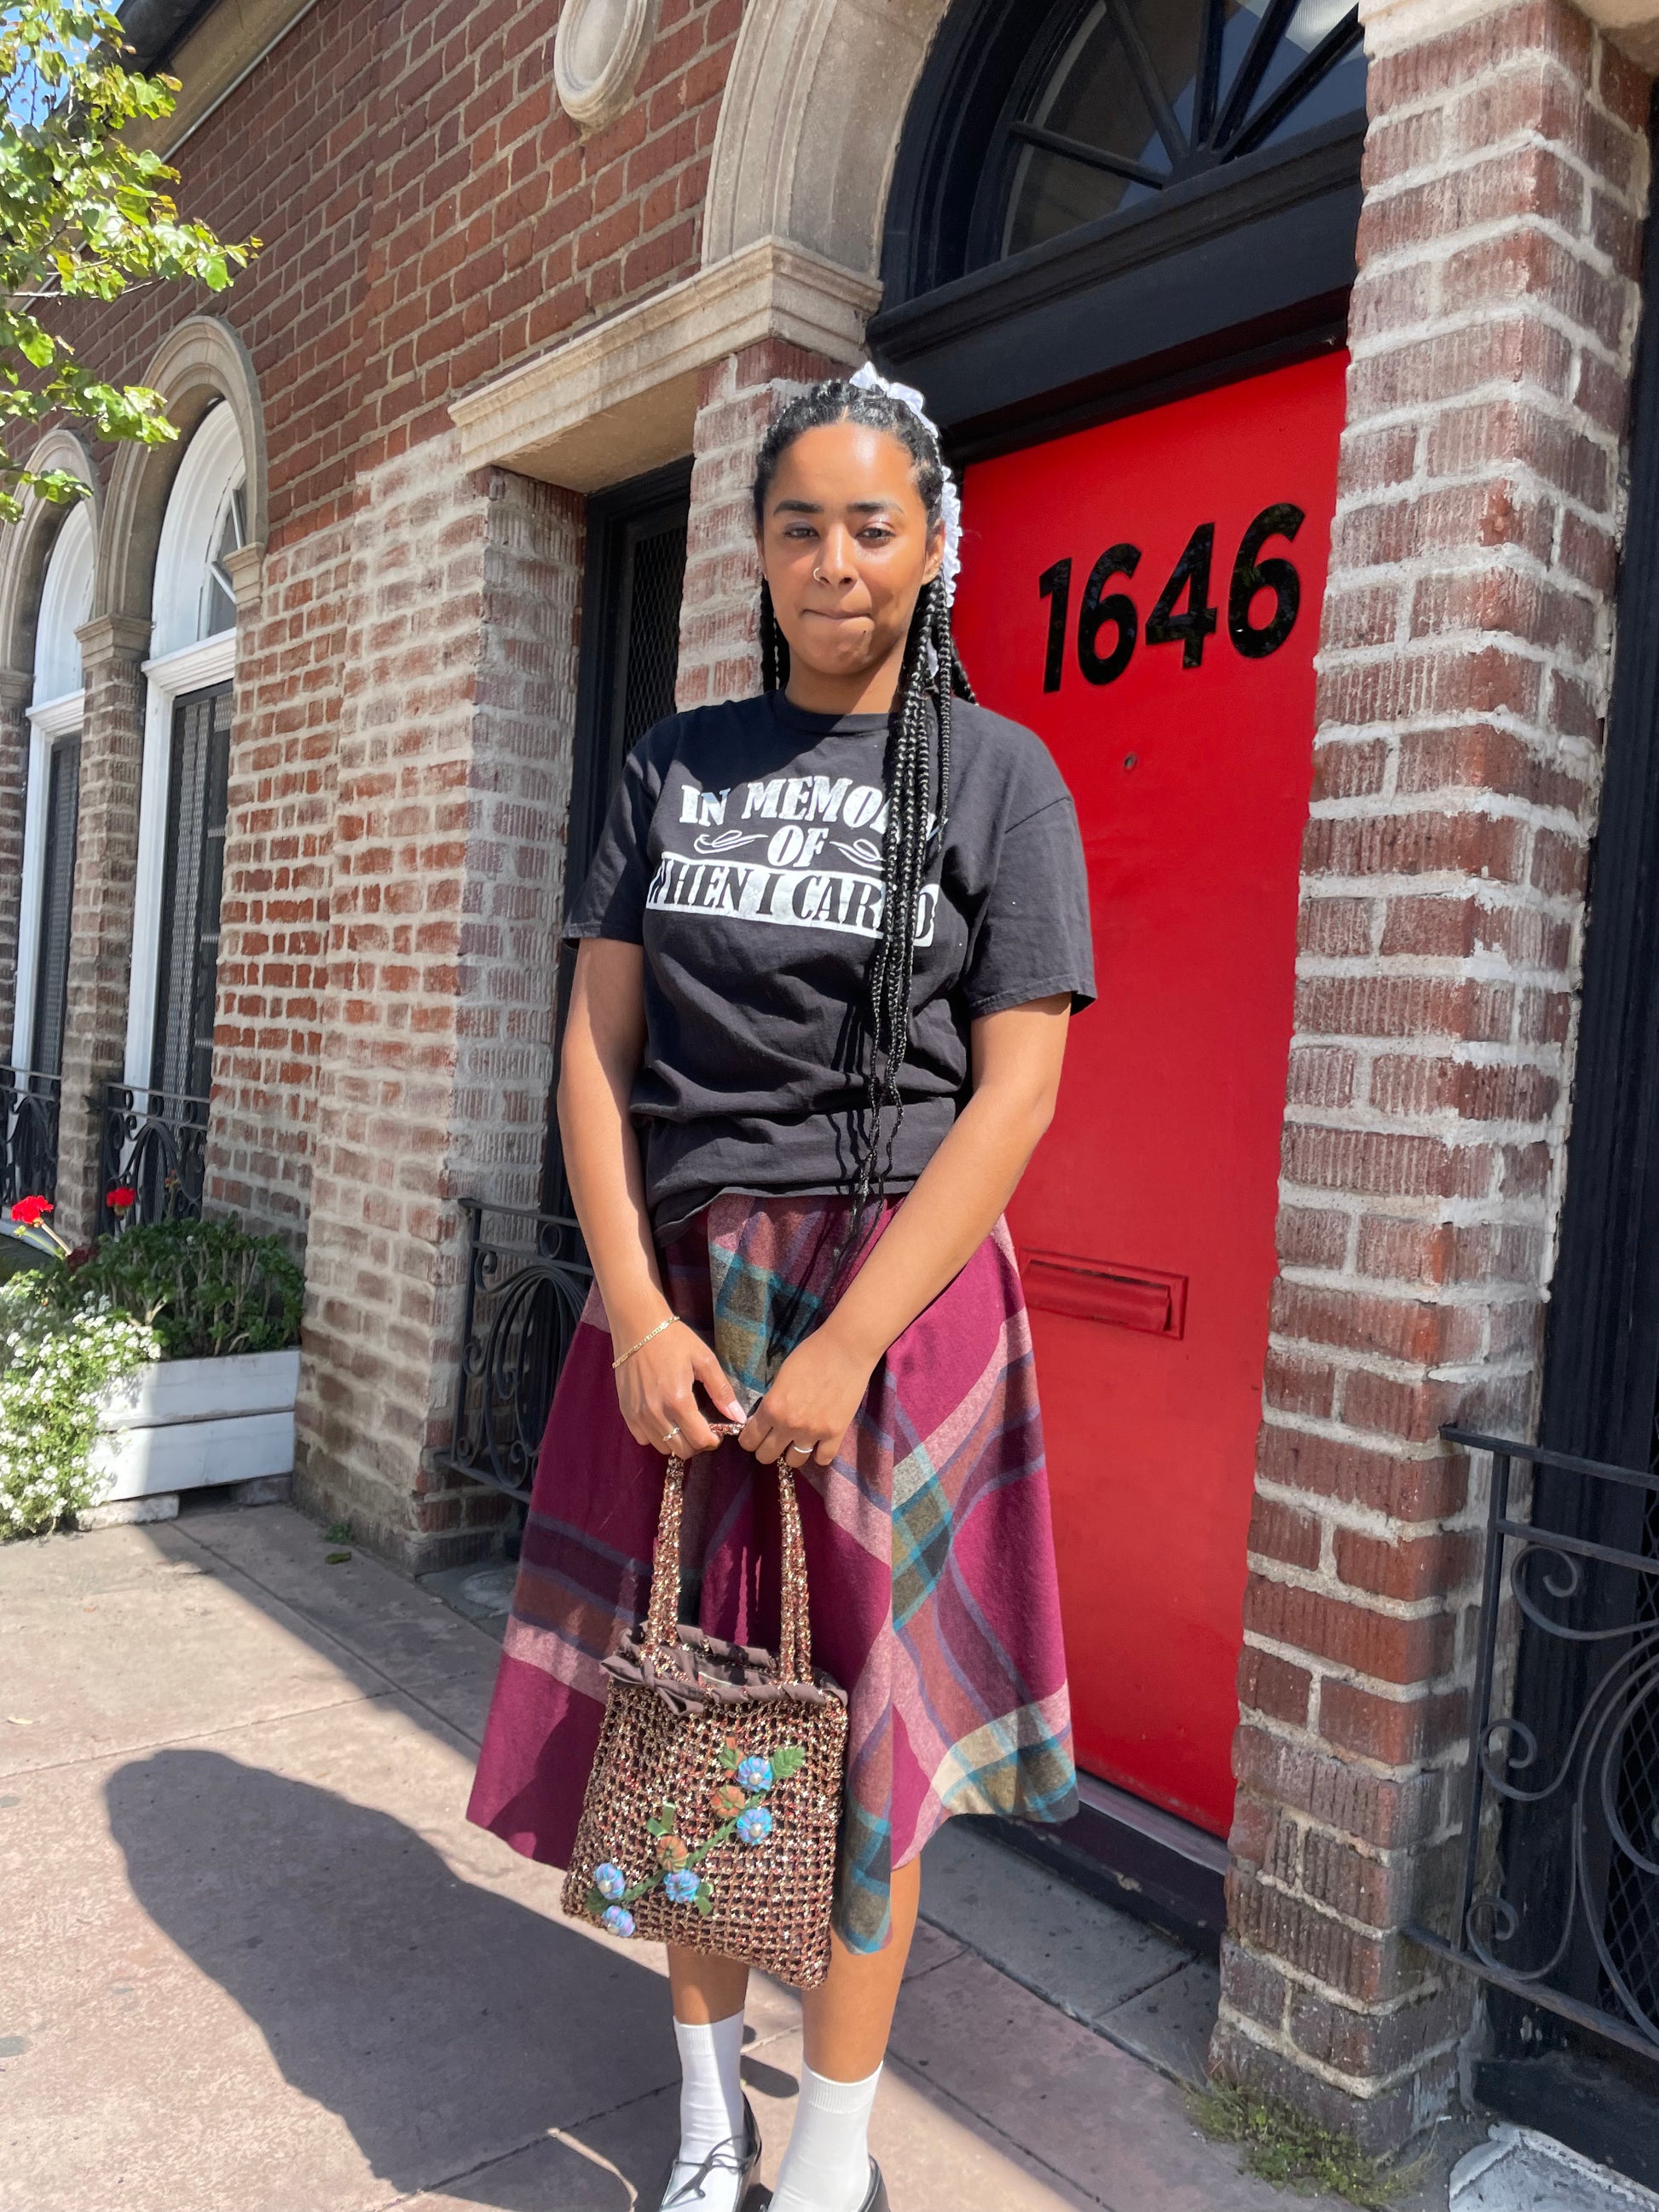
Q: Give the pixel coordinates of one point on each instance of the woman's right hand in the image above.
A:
(657, 1392)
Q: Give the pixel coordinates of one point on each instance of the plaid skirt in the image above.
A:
(930, 1556)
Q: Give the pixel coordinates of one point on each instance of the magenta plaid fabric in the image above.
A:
(928, 1546)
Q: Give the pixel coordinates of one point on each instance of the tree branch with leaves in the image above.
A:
(84, 214)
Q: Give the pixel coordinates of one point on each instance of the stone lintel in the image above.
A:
(621, 395)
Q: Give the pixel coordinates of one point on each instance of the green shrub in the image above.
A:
(207, 1287)
(52, 1365)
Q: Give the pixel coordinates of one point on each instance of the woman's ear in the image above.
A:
(932, 565)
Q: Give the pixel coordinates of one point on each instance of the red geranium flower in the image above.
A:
(121, 1200)
(29, 1211)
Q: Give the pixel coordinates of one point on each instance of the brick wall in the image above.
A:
(430, 216)
(102, 921)
(435, 1017)
(1463, 676)
(737, 398)
(279, 837)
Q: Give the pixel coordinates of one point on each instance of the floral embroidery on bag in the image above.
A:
(737, 1807)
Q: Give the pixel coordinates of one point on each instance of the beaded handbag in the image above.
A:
(712, 1810)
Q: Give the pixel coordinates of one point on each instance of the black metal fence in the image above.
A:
(154, 1144)
(29, 1134)
(527, 1278)
(1559, 1896)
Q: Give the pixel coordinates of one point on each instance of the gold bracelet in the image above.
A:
(644, 1340)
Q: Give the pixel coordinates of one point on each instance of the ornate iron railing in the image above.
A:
(155, 1142)
(527, 1278)
(29, 1134)
(1559, 1896)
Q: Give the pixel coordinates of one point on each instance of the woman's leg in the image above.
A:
(708, 2166)
(847, 2021)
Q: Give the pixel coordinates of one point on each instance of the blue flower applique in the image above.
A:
(680, 1885)
(755, 1773)
(618, 1919)
(609, 1881)
(755, 1826)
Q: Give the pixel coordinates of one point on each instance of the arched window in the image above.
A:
(1094, 194)
(171, 1009)
(52, 802)
(1126, 98)
(206, 519)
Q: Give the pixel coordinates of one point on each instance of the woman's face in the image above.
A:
(846, 549)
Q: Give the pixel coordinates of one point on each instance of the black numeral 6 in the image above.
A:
(1251, 575)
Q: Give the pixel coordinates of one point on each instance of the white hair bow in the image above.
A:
(871, 378)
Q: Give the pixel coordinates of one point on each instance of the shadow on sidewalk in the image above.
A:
(445, 2023)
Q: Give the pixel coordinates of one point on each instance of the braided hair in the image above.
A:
(916, 772)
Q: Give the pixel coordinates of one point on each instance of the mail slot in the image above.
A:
(1096, 1289)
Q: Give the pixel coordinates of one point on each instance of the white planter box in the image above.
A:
(178, 1424)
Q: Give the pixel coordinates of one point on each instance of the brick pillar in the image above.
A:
(112, 648)
(435, 1020)
(1464, 668)
(16, 688)
(737, 398)
(290, 629)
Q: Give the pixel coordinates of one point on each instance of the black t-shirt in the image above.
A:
(743, 851)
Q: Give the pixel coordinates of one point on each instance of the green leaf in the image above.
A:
(594, 1902)
(36, 346)
(731, 1757)
(789, 1759)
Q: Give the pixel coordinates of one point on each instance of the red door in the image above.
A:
(1146, 596)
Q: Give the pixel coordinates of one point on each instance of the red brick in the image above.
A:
(1390, 1647)
(1408, 1569)
(1278, 1533)
(1273, 1685)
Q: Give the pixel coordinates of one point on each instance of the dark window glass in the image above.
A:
(1139, 95)
(631, 639)
(188, 963)
(630, 660)
(57, 900)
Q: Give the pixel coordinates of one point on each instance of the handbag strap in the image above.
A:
(662, 1619)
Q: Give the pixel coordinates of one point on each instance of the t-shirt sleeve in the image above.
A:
(1033, 940)
(611, 901)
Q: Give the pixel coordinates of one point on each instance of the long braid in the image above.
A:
(917, 775)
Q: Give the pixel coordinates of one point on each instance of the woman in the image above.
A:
(827, 952)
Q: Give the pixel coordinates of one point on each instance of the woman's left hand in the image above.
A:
(811, 1404)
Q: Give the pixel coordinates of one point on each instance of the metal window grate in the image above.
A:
(1559, 1899)
(188, 962)
(1631, 1928)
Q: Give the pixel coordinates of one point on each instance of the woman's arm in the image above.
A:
(1017, 1057)
(603, 1043)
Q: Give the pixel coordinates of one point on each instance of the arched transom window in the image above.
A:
(206, 519)
(1126, 98)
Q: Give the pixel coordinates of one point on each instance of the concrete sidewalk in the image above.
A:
(255, 1959)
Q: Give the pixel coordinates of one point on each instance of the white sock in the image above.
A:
(826, 2167)
(711, 2114)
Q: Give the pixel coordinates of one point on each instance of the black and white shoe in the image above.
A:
(685, 2190)
(877, 2200)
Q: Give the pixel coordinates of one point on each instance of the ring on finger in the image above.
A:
(805, 1451)
(672, 1433)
